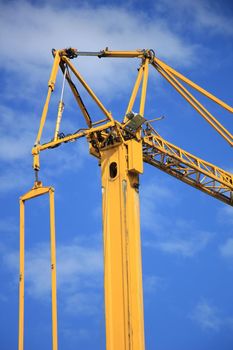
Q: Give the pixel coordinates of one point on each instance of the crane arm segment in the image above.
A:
(170, 77)
(188, 168)
(193, 85)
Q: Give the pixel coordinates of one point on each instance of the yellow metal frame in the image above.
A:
(61, 58)
(193, 85)
(38, 190)
(121, 149)
(166, 73)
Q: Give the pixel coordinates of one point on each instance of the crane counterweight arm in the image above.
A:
(188, 168)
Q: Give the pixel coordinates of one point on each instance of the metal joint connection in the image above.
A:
(149, 53)
(71, 53)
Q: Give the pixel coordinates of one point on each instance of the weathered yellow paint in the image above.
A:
(122, 253)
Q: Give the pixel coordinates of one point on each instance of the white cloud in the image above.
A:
(84, 303)
(201, 15)
(225, 215)
(79, 274)
(3, 298)
(14, 178)
(169, 234)
(210, 318)
(73, 262)
(27, 39)
(226, 249)
(151, 197)
(207, 316)
(13, 148)
(208, 17)
(73, 334)
(152, 283)
(79, 260)
(17, 172)
(17, 133)
(15, 152)
(187, 247)
(8, 225)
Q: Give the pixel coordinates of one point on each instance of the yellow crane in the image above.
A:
(121, 148)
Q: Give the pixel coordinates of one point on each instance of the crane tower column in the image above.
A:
(121, 165)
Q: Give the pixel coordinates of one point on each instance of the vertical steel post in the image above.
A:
(144, 88)
(21, 276)
(122, 248)
(53, 269)
(135, 90)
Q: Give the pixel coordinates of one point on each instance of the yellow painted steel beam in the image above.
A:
(73, 137)
(35, 192)
(21, 277)
(140, 53)
(196, 105)
(135, 90)
(38, 190)
(122, 252)
(144, 87)
(123, 54)
(51, 85)
(193, 85)
(53, 270)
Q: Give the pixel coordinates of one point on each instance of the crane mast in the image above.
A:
(121, 148)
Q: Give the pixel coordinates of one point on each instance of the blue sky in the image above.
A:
(187, 238)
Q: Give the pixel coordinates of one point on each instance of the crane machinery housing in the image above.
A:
(121, 148)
